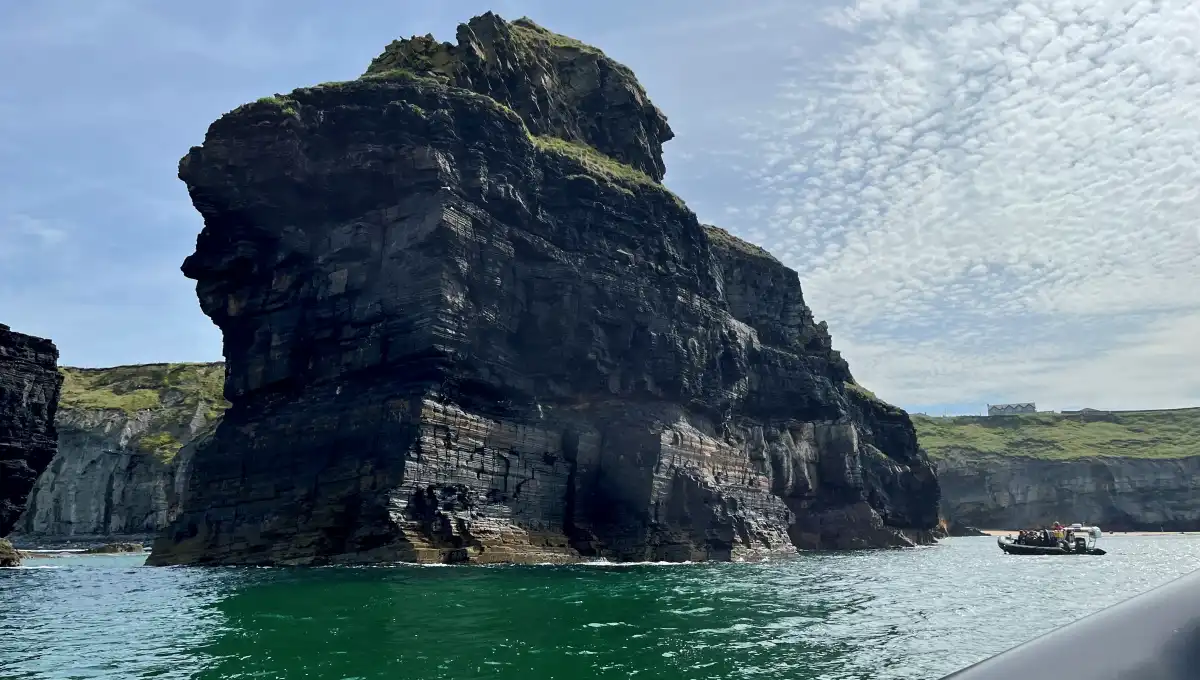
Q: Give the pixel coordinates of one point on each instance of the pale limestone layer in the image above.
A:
(100, 483)
(1118, 494)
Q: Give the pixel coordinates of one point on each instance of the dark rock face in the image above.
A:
(449, 339)
(29, 384)
(558, 86)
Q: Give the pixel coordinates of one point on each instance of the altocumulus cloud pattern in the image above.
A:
(998, 198)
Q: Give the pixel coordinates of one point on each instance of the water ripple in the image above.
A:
(879, 615)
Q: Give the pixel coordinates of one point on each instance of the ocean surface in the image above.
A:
(916, 614)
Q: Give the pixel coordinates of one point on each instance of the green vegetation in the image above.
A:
(525, 29)
(1131, 434)
(170, 395)
(423, 61)
(861, 391)
(162, 445)
(9, 557)
(150, 386)
(438, 79)
(595, 162)
(86, 389)
(724, 238)
(288, 106)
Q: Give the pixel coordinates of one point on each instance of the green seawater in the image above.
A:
(916, 614)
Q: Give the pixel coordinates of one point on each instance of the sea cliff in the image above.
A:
(29, 385)
(1125, 471)
(464, 321)
(124, 448)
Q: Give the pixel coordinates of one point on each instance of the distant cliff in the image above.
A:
(29, 384)
(1125, 471)
(464, 321)
(124, 438)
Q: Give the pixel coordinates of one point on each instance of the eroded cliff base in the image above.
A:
(464, 321)
(427, 480)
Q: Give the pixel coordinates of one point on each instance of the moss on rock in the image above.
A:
(594, 162)
(162, 445)
(725, 239)
(170, 398)
(860, 390)
(9, 556)
(533, 32)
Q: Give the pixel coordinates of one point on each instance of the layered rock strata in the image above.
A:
(29, 385)
(124, 449)
(464, 321)
(1123, 470)
(1117, 494)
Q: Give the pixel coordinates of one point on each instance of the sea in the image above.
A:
(915, 614)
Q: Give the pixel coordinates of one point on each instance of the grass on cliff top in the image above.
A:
(137, 388)
(527, 29)
(594, 162)
(1131, 434)
(397, 74)
(437, 80)
(286, 105)
(732, 242)
(862, 391)
(614, 173)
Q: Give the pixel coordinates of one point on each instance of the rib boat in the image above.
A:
(1077, 540)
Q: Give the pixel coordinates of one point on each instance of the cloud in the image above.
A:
(20, 234)
(996, 200)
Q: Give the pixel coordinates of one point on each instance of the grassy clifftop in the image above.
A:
(1130, 434)
(168, 397)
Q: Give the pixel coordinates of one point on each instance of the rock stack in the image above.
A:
(464, 321)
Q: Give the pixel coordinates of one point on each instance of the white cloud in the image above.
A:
(998, 200)
(22, 233)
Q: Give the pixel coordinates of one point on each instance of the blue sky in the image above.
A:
(988, 200)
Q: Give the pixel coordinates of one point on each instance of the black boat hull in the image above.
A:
(1018, 549)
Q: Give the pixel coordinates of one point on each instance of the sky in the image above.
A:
(989, 201)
